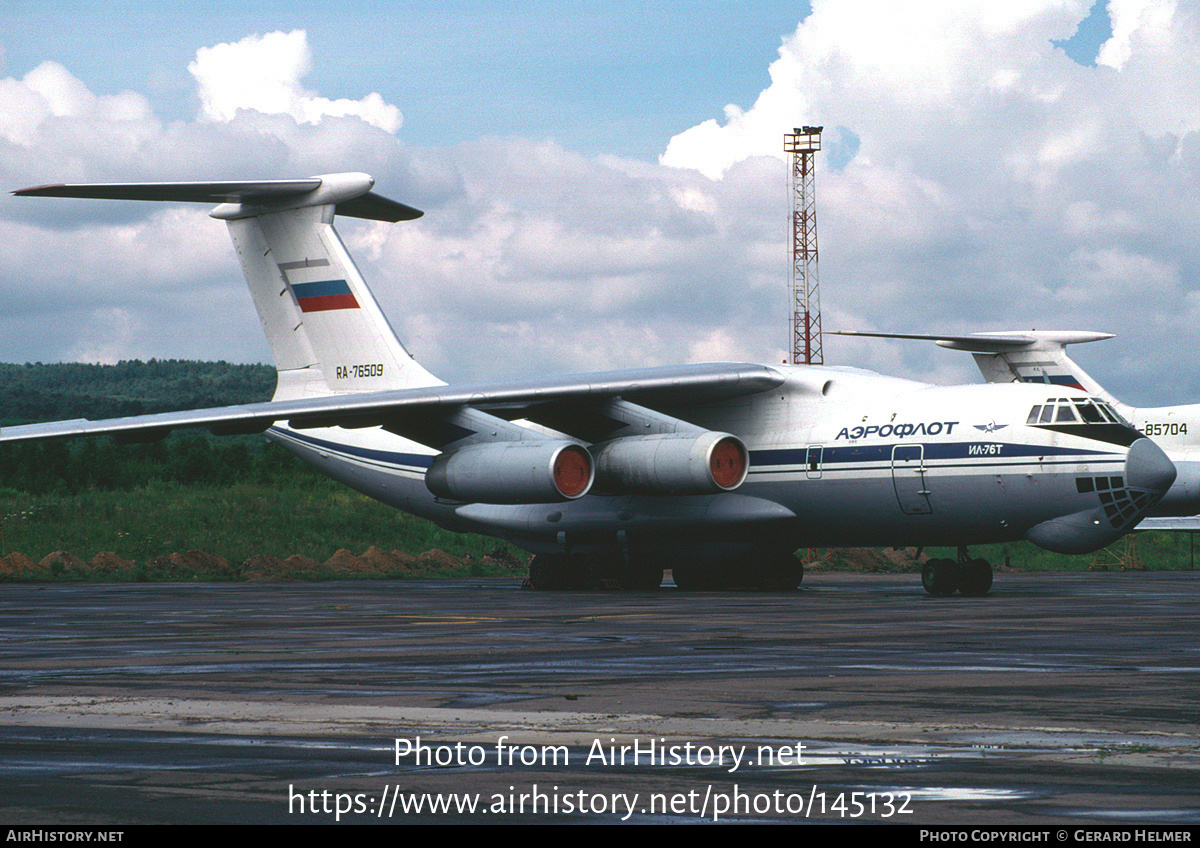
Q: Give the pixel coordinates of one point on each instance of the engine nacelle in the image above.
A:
(671, 464)
(512, 473)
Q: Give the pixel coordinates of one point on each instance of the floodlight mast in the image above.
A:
(802, 143)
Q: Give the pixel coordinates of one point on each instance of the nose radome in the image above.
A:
(1148, 468)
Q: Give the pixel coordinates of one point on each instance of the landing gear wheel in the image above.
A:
(640, 576)
(591, 571)
(554, 572)
(975, 577)
(940, 577)
(781, 573)
(694, 578)
(547, 572)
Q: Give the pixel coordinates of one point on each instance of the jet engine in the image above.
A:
(523, 472)
(671, 464)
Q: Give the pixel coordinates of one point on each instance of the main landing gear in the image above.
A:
(772, 571)
(765, 570)
(591, 571)
(971, 577)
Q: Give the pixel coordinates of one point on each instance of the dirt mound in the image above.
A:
(108, 564)
(405, 560)
(871, 560)
(436, 559)
(17, 566)
(344, 562)
(396, 562)
(296, 562)
(63, 564)
(198, 565)
(505, 558)
(189, 566)
(265, 567)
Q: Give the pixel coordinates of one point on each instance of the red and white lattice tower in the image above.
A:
(802, 143)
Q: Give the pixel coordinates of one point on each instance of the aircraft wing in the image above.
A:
(1177, 523)
(991, 342)
(674, 387)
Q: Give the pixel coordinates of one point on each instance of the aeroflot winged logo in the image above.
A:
(324, 295)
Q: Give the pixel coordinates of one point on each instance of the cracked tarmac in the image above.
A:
(1058, 698)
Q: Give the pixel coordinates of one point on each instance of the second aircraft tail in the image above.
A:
(1035, 356)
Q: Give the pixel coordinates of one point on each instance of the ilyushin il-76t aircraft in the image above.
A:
(718, 471)
(1040, 356)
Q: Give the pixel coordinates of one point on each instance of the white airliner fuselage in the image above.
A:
(719, 471)
(836, 457)
(1039, 357)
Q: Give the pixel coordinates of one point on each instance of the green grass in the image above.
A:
(314, 518)
(236, 522)
(1156, 551)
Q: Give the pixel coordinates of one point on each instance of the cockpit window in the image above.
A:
(1074, 410)
(1085, 417)
(1112, 414)
(1089, 413)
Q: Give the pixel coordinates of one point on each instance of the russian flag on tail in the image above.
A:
(324, 295)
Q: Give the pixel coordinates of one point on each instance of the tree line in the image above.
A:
(36, 392)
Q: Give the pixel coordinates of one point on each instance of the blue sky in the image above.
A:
(601, 77)
(604, 184)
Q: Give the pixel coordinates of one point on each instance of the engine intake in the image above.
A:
(522, 472)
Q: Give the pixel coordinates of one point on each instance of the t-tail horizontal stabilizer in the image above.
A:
(350, 194)
(1036, 356)
(327, 334)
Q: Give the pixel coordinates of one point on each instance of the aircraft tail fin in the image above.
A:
(1036, 356)
(326, 331)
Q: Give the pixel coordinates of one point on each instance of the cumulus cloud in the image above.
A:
(997, 184)
(546, 260)
(975, 178)
(104, 280)
(50, 97)
(263, 74)
(1133, 19)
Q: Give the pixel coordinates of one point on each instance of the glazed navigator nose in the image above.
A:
(1148, 469)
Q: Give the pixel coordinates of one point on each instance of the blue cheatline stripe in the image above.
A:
(767, 461)
(396, 458)
(933, 450)
(761, 462)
